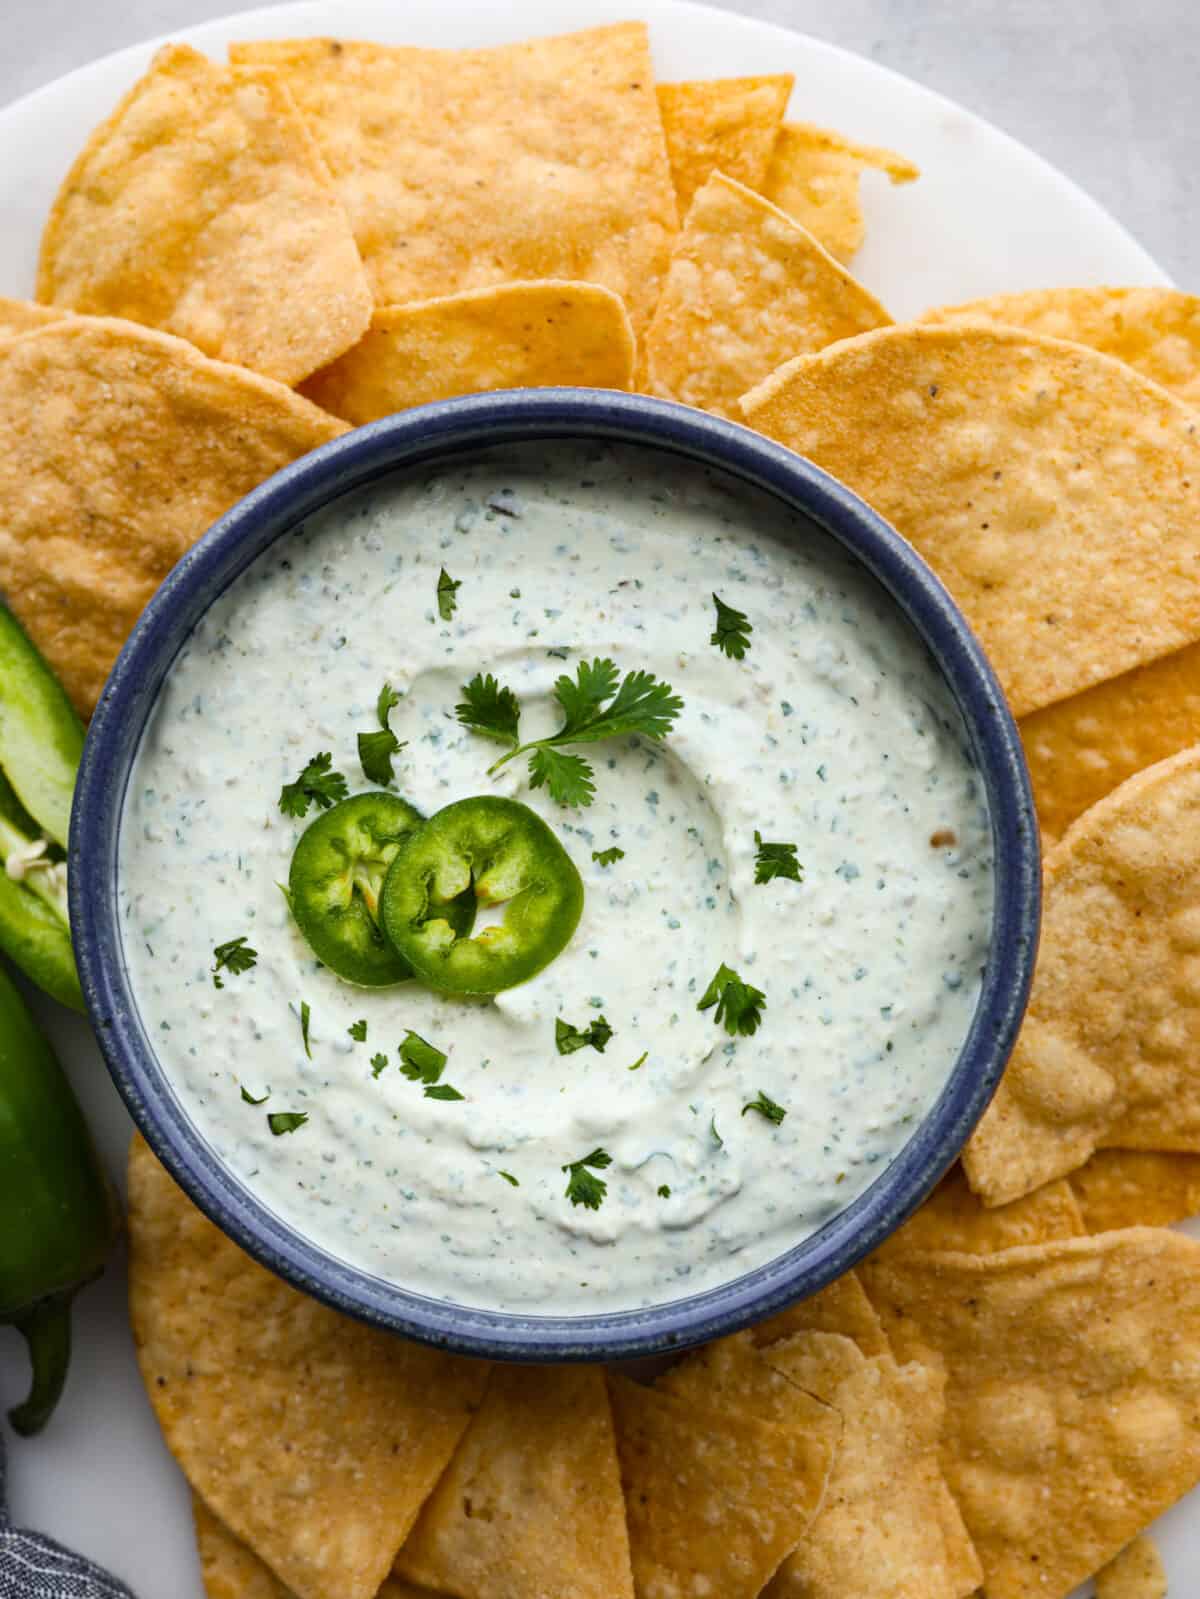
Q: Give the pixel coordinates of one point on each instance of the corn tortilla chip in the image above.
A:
(1155, 330)
(315, 1439)
(814, 176)
(733, 1374)
(1108, 1049)
(202, 207)
(1055, 491)
(721, 125)
(517, 335)
(531, 1504)
(1136, 1573)
(1136, 1188)
(842, 1307)
(124, 446)
(470, 167)
(1072, 1392)
(1080, 749)
(715, 1498)
(954, 1218)
(746, 288)
(21, 316)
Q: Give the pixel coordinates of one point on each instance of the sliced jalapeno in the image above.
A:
(335, 879)
(500, 853)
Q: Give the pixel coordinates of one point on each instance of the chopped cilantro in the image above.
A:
(766, 1106)
(447, 595)
(305, 1018)
(664, 1192)
(250, 1099)
(639, 1062)
(607, 857)
(286, 1121)
(233, 957)
(733, 630)
(378, 1063)
(358, 1030)
(715, 1135)
(375, 749)
(442, 1091)
(567, 1039)
(509, 1178)
(583, 1188)
(739, 1006)
(420, 1061)
(775, 860)
(388, 699)
(317, 785)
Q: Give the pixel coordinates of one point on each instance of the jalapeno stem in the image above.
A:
(47, 1331)
(26, 863)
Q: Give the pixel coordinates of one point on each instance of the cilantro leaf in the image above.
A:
(286, 1121)
(375, 751)
(447, 595)
(766, 1106)
(775, 860)
(608, 857)
(358, 1030)
(489, 709)
(443, 1091)
(733, 630)
(739, 1006)
(317, 785)
(509, 1178)
(378, 1063)
(250, 1099)
(568, 1039)
(305, 1018)
(568, 777)
(595, 681)
(421, 1061)
(388, 699)
(664, 1192)
(233, 957)
(582, 1187)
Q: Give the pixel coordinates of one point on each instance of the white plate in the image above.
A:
(987, 215)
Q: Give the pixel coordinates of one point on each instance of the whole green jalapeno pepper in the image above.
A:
(59, 1216)
(40, 743)
(334, 884)
(501, 853)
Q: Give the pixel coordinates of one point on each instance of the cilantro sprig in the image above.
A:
(318, 784)
(596, 704)
(567, 1039)
(375, 749)
(583, 1186)
(766, 1106)
(234, 956)
(775, 860)
(732, 632)
(739, 1006)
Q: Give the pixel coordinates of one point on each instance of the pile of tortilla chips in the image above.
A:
(248, 257)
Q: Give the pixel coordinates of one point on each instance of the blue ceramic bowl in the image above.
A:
(436, 432)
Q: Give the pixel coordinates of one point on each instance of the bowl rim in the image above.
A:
(406, 441)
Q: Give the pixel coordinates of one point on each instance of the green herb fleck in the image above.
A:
(250, 1099)
(317, 785)
(286, 1121)
(583, 1188)
(733, 630)
(420, 1061)
(567, 1039)
(358, 1030)
(739, 1006)
(775, 860)
(664, 1192)
(766, 1106)
(305, 1018)
(233, 957)
(442, 1091)
(639, 1062)
(378, 1063)
(714, 1134)
(606, 857)
(388, 699)
(375, 750)
(509, 1178)
(447, 595)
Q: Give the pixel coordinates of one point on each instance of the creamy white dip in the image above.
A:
(835, 732)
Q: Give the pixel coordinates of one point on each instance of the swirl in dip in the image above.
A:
(835, 732)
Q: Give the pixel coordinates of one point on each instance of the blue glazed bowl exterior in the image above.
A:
(420, 436)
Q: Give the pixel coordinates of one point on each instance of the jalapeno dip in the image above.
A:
(786, 896)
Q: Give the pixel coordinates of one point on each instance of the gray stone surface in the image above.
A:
(1105, 89)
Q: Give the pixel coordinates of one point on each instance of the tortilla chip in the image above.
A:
(842, 1307)
(202, 207)
(954, 1218)
(732, 1374)
(314, 1438)
(715, 1498)
(462, 168)
(124, 445)
(1136, 1573)
(721, 125)
(1108, 1050)
(21, 316)
(1080, 749)
(519, 335)
(1136, 1188)
(531, 1504)
(1055, 491)
(814, 175)
(746, 288)
(1072, 1392)
(1155, 330)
